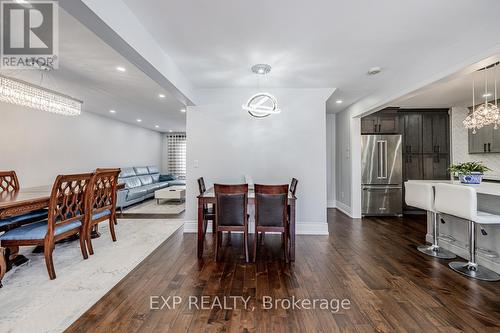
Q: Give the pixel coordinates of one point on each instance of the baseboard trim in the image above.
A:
(344, 208)
(301, 228)
(331, 204)
(461, 251)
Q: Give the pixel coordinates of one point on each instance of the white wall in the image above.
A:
(460, 144)
(224, 143)
(39, 145)
(330, 160)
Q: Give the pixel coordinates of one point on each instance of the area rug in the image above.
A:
(151, 207)
(31, 302)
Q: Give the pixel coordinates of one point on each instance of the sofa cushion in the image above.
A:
(139, 171)
(163, 184)
(127, 172)
(146, 180)
(136, 193)
(34, 216)
(37, 230)
(151, 187)
(156, 177)
(167, 177)
(153, 169)
(177, 182)
(105, 212)
(132, 182)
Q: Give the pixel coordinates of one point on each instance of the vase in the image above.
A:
(472, 178)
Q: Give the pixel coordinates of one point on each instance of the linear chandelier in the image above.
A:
(32, 96)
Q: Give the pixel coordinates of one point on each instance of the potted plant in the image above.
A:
(469, 172)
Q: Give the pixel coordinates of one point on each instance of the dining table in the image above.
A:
(208, 197)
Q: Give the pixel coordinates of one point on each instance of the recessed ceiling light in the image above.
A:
(183, 110)
(121, 69)
(170, 131)
(339, 101)
(487, 95)
(138, 120)
(374, 70)
(112, 111)
(157, 126)
(161, 95)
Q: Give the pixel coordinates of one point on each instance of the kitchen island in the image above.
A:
(453, 233)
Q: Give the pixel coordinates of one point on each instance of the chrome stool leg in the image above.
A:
(471, 268)
(434, 250)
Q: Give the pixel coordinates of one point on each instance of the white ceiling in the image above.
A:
(87, 71)
(454, 91)
(314, 43)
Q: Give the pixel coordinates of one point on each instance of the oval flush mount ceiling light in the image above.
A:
(374, 70)
(262, 104)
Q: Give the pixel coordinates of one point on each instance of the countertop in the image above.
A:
(489, 188)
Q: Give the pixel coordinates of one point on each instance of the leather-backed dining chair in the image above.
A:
(102, 202)
(208, 211)
(271, 215)
(293, 185)
(231, 213)
(66, 217)
(9, 184)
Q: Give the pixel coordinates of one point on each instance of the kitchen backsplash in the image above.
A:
(460, 145)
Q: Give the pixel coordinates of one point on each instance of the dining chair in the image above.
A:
(271, 215)
(208, 210)
(293, 185)
(231, 213)
(66, 217)
(102, 203)
(9, 184)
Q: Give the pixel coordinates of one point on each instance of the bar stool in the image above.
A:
(422, 196)
(461, 201)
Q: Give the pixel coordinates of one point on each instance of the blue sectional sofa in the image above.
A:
(141, 184)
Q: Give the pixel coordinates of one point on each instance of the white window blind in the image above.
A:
(176, 149)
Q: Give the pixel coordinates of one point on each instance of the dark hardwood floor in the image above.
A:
(371, 262)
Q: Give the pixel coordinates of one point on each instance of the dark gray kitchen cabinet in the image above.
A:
(435, 132)
(412, 133)
(412, 167)
(384, 122)
(486, 140)
(435, 166)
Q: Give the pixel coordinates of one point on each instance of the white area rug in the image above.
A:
(151, 207)
(31, 302)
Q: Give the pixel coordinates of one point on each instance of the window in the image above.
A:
(176, 150)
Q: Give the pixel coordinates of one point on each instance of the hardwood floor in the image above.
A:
(371, 262)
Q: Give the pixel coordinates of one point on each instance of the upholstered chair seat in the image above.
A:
(106, 212)
(38, 230)
(37, 215)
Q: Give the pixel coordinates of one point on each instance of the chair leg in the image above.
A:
(47, 251)
(262, 238)
(255, 240)
(245, 241)
(112, 228)
(216, 246)
(83, 247)
(229, 238)
(285, 246)
(3, 264)
(89, 244)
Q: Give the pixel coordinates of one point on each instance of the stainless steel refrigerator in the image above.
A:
(381, 177)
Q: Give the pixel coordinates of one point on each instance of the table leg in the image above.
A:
(200, 228)
(292, 230)
(3, 264)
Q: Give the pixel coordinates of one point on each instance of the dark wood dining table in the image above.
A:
(208, 197)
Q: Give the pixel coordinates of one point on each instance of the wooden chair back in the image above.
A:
(103, 194)
(69, 200)
(201, 185)
(271, 202)
(231, 206)
(8, 181)
(293, 185)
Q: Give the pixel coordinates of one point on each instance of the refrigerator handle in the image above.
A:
(382, 159)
